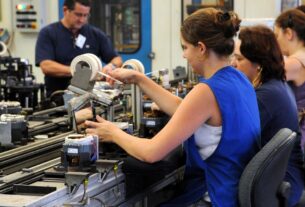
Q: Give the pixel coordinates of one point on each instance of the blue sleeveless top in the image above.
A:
(220, 173)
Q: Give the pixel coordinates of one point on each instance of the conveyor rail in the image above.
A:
(31, 154)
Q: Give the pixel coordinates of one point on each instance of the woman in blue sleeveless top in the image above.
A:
(258, 55)
(218, 120)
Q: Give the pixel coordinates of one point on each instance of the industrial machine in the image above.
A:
(79, 152)
(71, 168)
(13, 126)
(18, 82)
(152, 121)
(10, 107)
(13, 129)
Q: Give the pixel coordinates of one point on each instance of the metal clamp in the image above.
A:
(74, 180)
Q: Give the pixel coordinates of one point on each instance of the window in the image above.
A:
(289, 4)
(191, 6)
(120, 20)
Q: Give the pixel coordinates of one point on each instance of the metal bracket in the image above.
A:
(74, 180)
(104, 166)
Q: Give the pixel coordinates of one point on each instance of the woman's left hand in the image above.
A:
(103, 128)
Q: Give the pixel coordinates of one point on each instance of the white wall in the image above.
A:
(257, 8)
(166, 20)
(23, 44)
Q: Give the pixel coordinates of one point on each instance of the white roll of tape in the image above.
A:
(134, 64)
(3, 48)
(12, 118)
(78, 139)
(88, 59)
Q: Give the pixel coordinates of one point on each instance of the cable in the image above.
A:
(85, 190)
(105, 173)
(118, 194)
(99, 200)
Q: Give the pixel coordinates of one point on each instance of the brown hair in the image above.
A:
(301, 7)
(259, 45)
(293, 19)
(70, 4)
(214, 28)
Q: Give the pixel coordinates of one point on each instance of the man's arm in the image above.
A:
(52, 68)
(45, 54)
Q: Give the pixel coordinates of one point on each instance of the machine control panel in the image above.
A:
(29, 15)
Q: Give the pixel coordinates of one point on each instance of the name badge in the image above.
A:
(80, 41)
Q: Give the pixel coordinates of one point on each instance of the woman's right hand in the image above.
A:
(104, 129)
(127, 76)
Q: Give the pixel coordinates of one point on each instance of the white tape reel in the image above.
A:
(92, 60)
(134, 64)
(3, 48)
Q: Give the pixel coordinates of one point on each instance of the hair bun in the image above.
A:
(223, 17)
(228, 22)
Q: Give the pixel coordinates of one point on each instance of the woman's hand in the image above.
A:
(125, 75)
(82, 115)
(103, 128)
(154, 107)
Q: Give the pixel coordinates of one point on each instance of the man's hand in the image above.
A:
(106, 69)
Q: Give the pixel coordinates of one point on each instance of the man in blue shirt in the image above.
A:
(60, 42)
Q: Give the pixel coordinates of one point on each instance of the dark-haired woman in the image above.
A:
(258, 55)
(212, 120)
(290, 32)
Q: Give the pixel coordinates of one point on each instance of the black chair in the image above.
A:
(261, 183)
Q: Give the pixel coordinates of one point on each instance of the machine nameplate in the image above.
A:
(73, 150)
(150, 123)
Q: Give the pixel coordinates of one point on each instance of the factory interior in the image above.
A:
(51, 152)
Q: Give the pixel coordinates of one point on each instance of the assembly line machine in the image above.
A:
(54, 172)
(46, 158)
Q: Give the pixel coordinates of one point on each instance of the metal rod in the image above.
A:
(108, 76)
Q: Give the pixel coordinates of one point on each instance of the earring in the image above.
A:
(257, 80)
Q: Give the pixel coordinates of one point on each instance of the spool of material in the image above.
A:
(10, 107)
(9, 104)
(134, 64)
(12, 118)
(79, 139)
(3, 48)
(86, 61)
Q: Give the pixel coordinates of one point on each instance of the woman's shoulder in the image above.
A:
(230, 78)
(226, 73)
(299, 53)
(274, 91)
(272, 86)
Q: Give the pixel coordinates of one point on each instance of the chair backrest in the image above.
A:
(264, 174)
